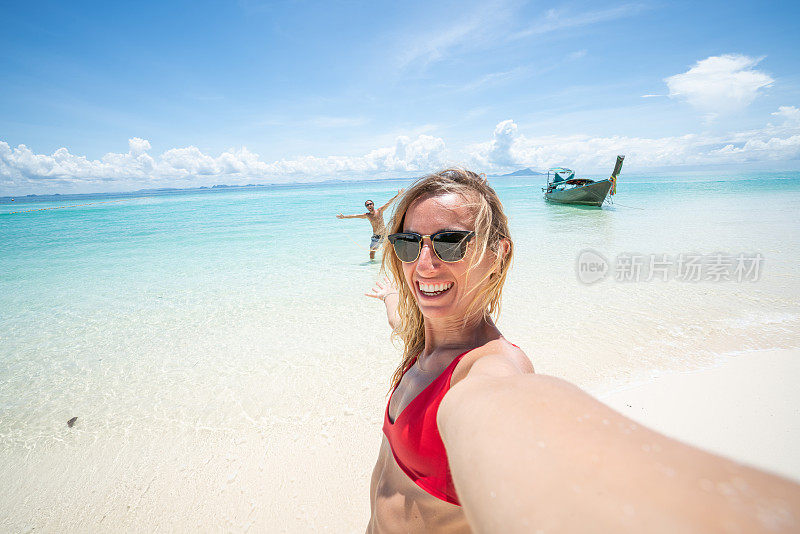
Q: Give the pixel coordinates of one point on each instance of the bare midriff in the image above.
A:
(399, 505)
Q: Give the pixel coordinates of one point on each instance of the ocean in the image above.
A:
(224, 364)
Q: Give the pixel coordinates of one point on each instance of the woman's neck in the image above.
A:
(444, 339)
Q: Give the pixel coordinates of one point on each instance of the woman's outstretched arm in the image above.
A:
(387, 292)
(531, 452)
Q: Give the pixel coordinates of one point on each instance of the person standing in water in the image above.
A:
(375, 217)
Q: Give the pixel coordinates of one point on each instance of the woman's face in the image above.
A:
(441, 289)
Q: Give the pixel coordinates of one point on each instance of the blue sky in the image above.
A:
(113, 96)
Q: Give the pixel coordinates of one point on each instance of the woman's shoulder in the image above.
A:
(498, 356)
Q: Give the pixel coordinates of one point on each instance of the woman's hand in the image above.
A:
(382, 289)
(386, 291)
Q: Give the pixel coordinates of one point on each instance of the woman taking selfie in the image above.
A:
(474, 440)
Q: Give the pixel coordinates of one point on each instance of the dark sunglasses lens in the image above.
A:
(450, 246)
(406, 247)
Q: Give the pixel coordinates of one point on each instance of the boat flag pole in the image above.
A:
(617, 169)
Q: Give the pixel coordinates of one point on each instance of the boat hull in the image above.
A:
(593, 194)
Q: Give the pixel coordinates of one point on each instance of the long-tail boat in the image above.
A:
(564, 188)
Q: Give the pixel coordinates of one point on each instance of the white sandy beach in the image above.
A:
(746, 408)
(256, 479)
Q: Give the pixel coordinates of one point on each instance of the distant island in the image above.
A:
(216, 187)
(527, 171)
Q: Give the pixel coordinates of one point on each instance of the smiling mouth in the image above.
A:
(433, 290)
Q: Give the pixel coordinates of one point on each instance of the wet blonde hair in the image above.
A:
(491, 230)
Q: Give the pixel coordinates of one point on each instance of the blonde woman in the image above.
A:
(474, 440)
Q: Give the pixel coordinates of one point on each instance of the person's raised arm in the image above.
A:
(531, 452)
(388, 203)
(387, 292)
(356, 216)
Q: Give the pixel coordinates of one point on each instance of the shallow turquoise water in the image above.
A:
(131, 281)
(180, 260)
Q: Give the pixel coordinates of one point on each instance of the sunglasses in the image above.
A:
(449, 245)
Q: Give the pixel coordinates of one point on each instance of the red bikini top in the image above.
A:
(415, 441)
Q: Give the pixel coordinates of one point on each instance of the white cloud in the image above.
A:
(720, 84)
(558, 21)
(138, 146)
(790, 113)
(510, 148)
(189, 166)
(479, 27)
(21, 169)
(435, 47)
(775, 148)
(490, 25)
(493, 78)
(578, 54)
(504, 137)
